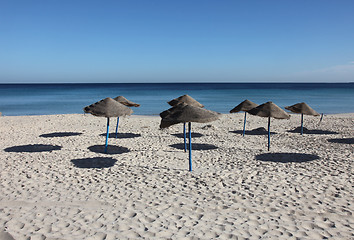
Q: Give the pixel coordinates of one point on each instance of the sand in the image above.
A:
(57, 184)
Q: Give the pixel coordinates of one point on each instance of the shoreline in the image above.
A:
(56, 183)
(157, 115)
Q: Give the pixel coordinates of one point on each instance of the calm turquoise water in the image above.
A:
(42, 99)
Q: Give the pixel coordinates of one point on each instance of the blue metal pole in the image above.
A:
(302, 123)
(184, 135)
(190, 146)
(117, 127)
(268, 133)
(320, 118)
(244, 125)
(105, 149)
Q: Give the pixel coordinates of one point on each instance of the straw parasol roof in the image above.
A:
(244, 106)
(169, 122)
(269, 109)
(187, 100)
(302, 108)
(108, 107)
(126, 102)
(167, 112)
(183, 113)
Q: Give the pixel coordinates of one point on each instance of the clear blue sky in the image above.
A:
(176, 41)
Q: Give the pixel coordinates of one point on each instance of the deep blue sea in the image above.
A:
(43, 99)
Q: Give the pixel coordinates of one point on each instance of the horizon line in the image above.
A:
(165, 82)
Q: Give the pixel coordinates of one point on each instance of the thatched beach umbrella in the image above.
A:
(187, 100)
(108, 107)
(302, 108)
(244, 106)
(184, 113)
(127, 103)
(269, 109)
(165, 120)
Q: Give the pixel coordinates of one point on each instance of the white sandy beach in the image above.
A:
(56, 185)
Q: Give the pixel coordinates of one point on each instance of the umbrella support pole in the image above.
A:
(302, 123)
(107, 135)
(184, 135)
(268, 133)
(190, 146)
(320, 119)
(117, 127)
(244, 125)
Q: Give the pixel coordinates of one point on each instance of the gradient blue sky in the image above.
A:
(176, 41)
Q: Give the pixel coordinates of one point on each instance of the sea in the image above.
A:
(47, 99)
